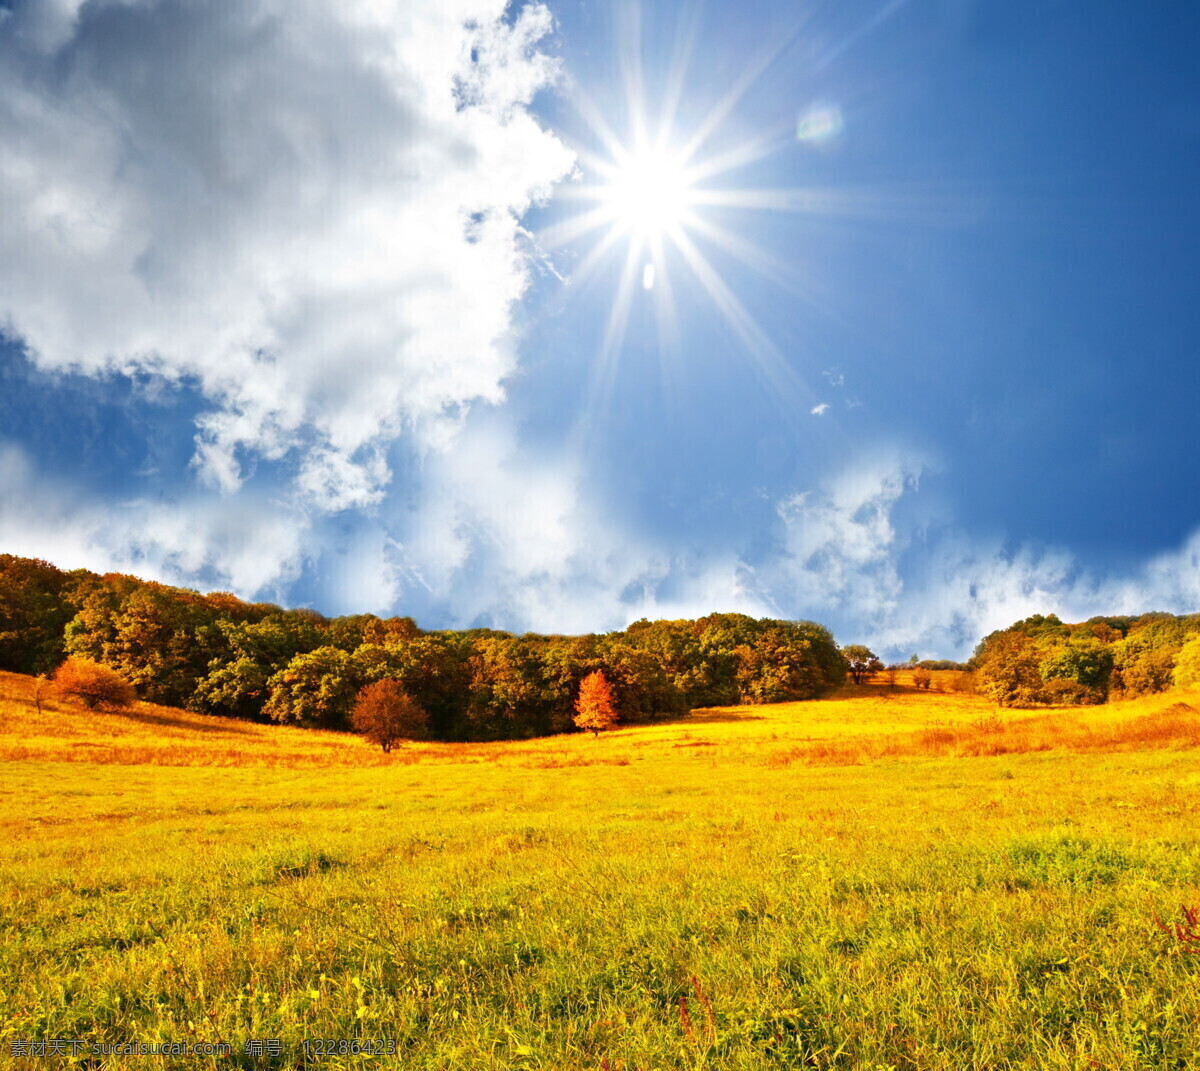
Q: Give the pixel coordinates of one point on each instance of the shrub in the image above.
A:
(94, 685)
(961, 682)
(385, 714)
(921, 677)
(1064, 692)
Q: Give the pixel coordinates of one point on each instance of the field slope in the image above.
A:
(877, 880)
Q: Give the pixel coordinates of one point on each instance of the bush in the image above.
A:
(94, 685)
(921, 677)
(1061, 691)
(961, 682)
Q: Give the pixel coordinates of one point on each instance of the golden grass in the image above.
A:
(858, 724)
(669, 897)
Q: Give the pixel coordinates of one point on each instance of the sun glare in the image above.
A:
(648, 193)
(659, 201)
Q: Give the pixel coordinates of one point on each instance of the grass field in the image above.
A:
(878, 880)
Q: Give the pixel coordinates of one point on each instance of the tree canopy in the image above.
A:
(1044, 660)
(861, 662)
(217, 654)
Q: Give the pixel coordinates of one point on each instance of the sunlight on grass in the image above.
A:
(673, 896)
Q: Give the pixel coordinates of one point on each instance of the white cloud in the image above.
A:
(928, 587)
(497, 534)
(254, 547)
(310, 209)
(494, 535)
(820, 410)
(839, 546)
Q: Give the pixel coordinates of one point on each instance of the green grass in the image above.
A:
(693, 907)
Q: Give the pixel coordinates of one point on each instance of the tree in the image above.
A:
(594, 709)
(93, 685)
(1008, 669)
(861, 661)
(921, 677)
(34, 608)
(386, 714)
(315, 689)
(1186, 673)
(1078, 672)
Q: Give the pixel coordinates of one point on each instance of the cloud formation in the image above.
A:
(309, 210)
(254, 547)
(922, 584)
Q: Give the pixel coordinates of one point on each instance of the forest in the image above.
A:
(1042, 661)
(216, 654)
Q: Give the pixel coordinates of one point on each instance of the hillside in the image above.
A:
(849, 883)
(856, 724)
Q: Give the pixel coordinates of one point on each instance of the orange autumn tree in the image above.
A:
(594, 709)
(94, 685)
(387, 715)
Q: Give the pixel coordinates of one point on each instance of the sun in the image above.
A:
(660, 196)
(648, 193)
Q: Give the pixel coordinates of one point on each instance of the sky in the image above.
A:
(551, 317)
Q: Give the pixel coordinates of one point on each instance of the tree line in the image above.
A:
(217, 654)
(1042, 660)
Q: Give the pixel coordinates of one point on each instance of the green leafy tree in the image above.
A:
(237, 689)
(159, 638)
(565, 661)
(1144, 661)
(316, 689)
(250, 653)
(1078, 672)
(861, 662)
(34, 610)
(507, 689)
(642, 690)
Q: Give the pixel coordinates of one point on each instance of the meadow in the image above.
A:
(884, 879)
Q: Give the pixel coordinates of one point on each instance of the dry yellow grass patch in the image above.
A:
(858, 724)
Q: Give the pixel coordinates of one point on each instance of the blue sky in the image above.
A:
(324, 325)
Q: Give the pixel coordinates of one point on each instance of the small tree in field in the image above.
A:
(921, 677)
(594, 709)
(386, 714)
(861, 661)
(93, 685)
(40, 689)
